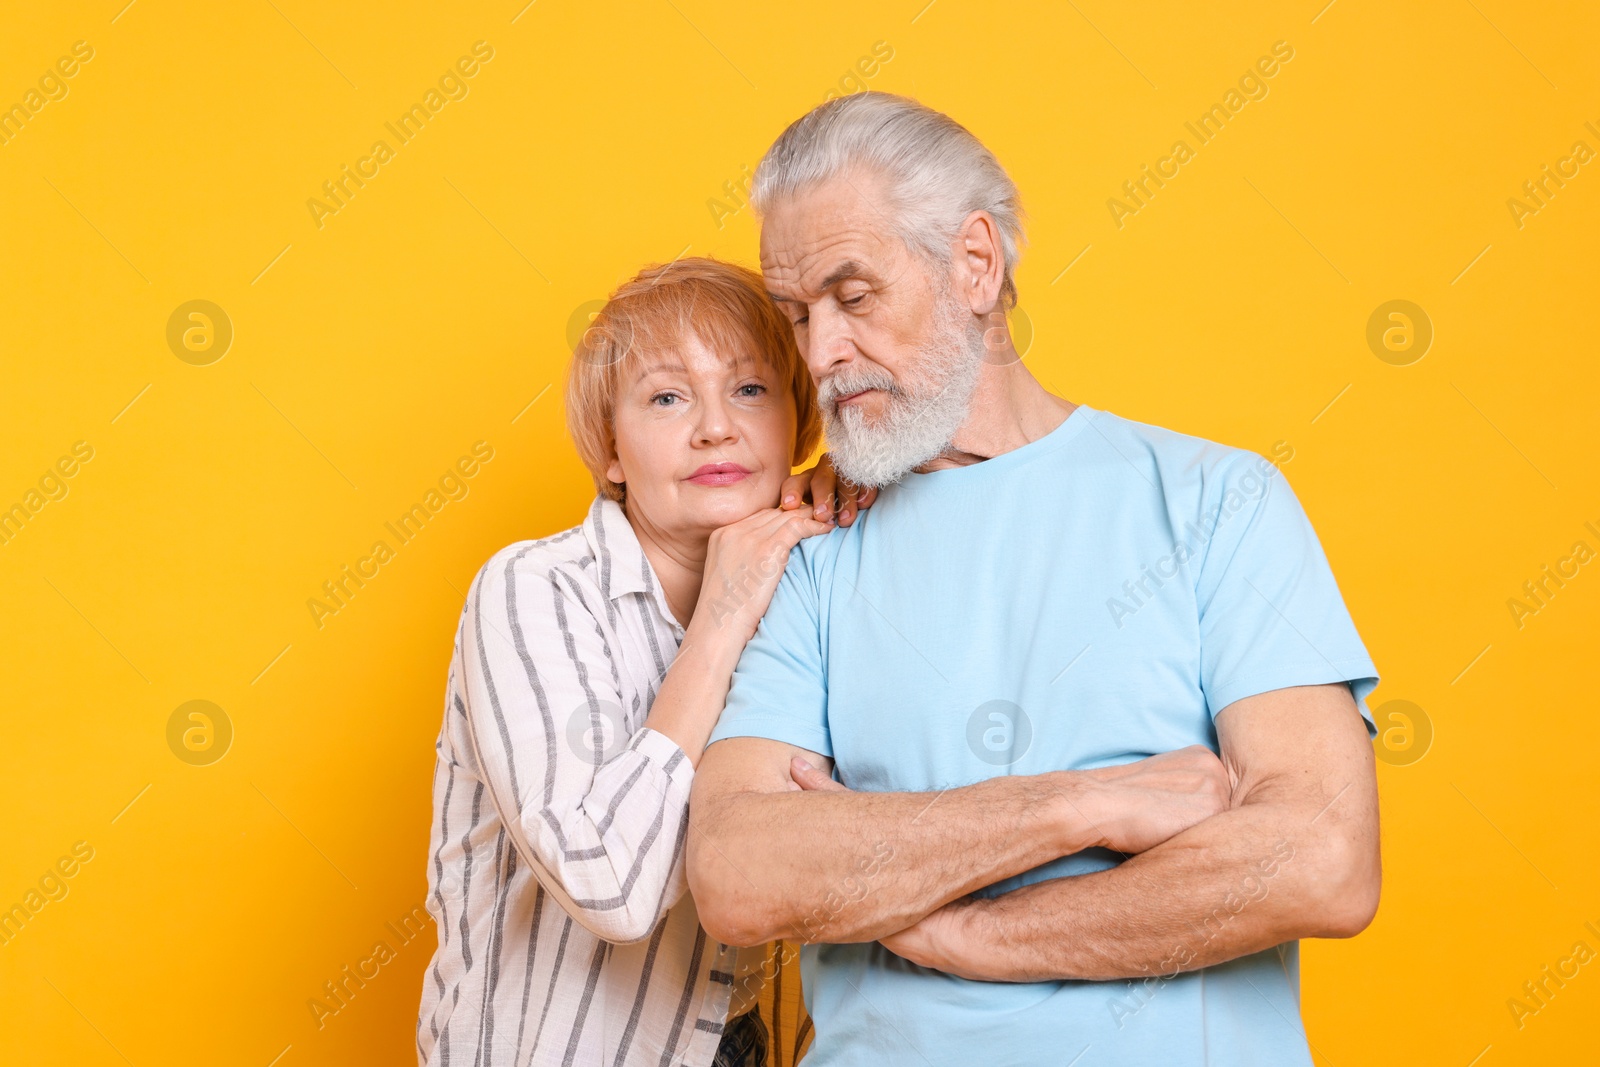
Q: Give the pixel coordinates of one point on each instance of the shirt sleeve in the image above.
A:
(604, 836)
(1271, 615)
(780, 688)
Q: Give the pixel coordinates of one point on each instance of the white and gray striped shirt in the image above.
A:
(556, 875)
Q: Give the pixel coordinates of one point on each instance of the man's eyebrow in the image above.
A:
(843, 272)
(846, 270)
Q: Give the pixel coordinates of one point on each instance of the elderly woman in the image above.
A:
(588, 671)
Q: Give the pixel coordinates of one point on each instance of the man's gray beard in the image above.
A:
(919, 421)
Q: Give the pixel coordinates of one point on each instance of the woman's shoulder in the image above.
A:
(540, 555)
(565, 559)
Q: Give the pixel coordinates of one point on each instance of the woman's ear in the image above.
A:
(614, 471)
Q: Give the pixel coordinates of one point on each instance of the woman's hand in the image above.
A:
(826, 492)
(744, 560)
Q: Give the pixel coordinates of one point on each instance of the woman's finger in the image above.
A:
(800, 525)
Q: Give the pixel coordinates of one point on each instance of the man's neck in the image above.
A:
(1009, 409)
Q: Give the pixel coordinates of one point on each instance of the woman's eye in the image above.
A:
(662, 396)
(759, 389)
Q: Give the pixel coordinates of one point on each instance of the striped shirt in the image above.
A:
(556, 874)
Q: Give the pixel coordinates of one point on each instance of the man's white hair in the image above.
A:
(937, 172)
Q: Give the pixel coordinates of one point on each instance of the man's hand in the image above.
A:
(938, 941)
(1136, 806)
(832, 498)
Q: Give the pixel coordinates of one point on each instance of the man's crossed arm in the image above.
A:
(777, 850)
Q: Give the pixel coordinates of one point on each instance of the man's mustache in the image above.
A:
(840, 385)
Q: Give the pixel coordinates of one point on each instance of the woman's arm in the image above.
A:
(744, 561)
(600, 829)
(604, 829)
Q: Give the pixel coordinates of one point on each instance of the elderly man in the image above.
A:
(1018, 665)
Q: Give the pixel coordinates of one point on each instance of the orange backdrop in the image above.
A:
(241, 340)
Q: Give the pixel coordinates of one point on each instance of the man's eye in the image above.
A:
(854, 300)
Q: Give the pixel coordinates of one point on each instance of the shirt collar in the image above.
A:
(620, 562)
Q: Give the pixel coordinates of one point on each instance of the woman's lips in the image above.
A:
(719, 474)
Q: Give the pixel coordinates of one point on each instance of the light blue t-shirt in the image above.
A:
(1091, 598)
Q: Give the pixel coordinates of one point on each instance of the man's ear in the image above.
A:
(981, 253)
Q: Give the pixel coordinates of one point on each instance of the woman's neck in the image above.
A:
(679, 564)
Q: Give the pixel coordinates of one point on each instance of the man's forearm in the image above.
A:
(1239, 882)
(847, 866)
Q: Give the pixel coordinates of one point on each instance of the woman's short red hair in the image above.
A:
(724, 305)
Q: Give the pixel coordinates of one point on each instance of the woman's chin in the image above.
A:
(720, 505)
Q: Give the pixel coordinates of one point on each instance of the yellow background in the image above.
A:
(432, 310)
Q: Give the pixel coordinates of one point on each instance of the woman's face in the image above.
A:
(702, 440)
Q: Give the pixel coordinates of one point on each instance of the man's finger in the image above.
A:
(810, 779)
(793, 491)
(823, 483)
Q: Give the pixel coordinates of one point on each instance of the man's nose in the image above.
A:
(828, 345)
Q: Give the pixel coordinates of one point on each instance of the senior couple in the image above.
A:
(1044, 730)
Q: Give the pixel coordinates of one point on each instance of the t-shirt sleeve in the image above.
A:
(780, 689)
(1271, 615)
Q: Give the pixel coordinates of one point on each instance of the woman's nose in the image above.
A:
(714, 422)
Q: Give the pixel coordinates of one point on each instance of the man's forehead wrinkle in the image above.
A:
(834, 258)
